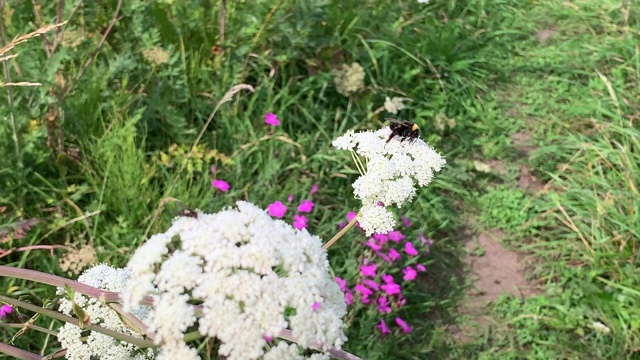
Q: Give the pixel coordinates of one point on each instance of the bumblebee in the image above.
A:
(188, 213)
(403, 129)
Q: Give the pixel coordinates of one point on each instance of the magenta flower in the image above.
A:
(368, 270)
(220, 185)
(387, 278)
(271, 119)
(405, 327)
(341, 225)
(383, 305)
(351, 216)
(384, 257)
(365, 299)
(391, 288)
(277, 209)
(5, 310)
(396, 236)
(373, 245)
(290, 198)
(315, 306)
(267, 338)
(409, 249)
(372, 284)
(305, 206)
(365, 291)
(314, 189)
(425, 241)
(394, 255)
(213, 169)
(299, 222)
(421, 268)
(409, 273)
(405, 221)
(342, 283)
(348, 298)
(382, 238)
(383, 328)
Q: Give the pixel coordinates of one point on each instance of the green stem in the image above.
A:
(343, 231)
(30, 327)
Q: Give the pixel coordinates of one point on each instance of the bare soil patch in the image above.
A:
(496, 272)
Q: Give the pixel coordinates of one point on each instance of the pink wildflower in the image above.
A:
(365, 291)
(409, 273)
(372, 284)
(368, 270)
(342, 283)
(290, 198)
(220, 185)
(425, 241)
(314, 189)
(409, 249)
(305, 206)
(383, 328)
(5, 310)
(351, 216)
(383, 305)
(213, 169)
(315, 306)
(394, 255)
(373, 245)
(267, 338)
(384, 257)
(382, 238)
(271, 119)
(405, 327)
(299, 222)
(387, 278)
(405, 221)
(396, 236)
(348, 298)
(421, 268)
(277, 209)
(391, 288)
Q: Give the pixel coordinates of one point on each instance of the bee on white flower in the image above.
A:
(393, 169)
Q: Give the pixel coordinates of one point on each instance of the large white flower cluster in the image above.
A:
(252, 276)
(392, 171)
(96, 345)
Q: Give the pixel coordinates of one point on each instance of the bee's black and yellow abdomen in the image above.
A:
(405, 130)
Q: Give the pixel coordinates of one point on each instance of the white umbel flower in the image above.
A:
(394, 105)
(96, 345)
(251, 275)
(392, 172)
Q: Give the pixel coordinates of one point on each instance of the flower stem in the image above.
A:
(56, 315)
(343, 231)
(28, 326)
(18, 353)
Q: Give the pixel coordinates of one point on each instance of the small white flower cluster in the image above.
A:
(252, 276)
(96, 345)
(392, 170)
(285, 351)
(395, 104)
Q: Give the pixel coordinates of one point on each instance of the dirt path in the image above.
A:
(495, 270)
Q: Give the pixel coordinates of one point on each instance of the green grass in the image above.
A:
(480, 64)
